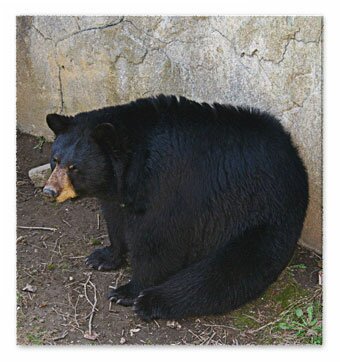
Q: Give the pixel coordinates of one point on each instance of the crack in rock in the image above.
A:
(298, 105)
(61, 89)
(160, 45)
(41, 33)
(158, 48)
(282, 58)
(290, 39)
(60, 86)
(138, 62)
(106, 26)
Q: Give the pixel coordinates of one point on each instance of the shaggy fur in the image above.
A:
(207, 200)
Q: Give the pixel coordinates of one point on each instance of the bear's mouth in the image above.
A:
(66, 194)
(59, 187)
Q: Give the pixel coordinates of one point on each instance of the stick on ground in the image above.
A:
(37, 228)
(93, 304)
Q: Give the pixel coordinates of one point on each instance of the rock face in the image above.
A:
(72, 64)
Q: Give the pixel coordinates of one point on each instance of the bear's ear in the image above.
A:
(107, 135)
(58, 123)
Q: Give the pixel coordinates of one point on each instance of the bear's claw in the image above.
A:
(123, 295)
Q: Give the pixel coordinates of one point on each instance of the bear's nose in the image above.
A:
(49, 192)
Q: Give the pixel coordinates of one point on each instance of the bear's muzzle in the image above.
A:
(59, 187)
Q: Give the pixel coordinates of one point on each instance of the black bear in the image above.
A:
(208, 201)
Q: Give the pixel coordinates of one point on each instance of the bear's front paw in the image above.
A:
(124, 295)
(103, 259)
(152, 304)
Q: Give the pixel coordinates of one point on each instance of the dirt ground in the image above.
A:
(61, 301)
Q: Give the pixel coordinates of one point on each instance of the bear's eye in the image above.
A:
(72, 167)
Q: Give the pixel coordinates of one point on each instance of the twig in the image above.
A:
(56, 242)
(37, 228)
(195, 335)
(67, 223)
(88, 299)
(29, 274)
(74, 307)
(72, 325)
(253, 318)
(93, 304)
(68, 285)
(20, 238)
(65, 316)
(211, 337)
(121, 273)
(264, 326)
(98, 221)
(221, 325)
(65, 333)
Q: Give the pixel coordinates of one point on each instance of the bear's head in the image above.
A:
(80, 163)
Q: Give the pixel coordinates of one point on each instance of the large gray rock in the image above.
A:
(39, 175)
(72, 64)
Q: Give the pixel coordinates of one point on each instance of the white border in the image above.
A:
(331, 173)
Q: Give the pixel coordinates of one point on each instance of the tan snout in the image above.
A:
(59, 187)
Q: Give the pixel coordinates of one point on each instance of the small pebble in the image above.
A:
(122, 340)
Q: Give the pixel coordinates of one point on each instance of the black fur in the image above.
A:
(208, 201)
